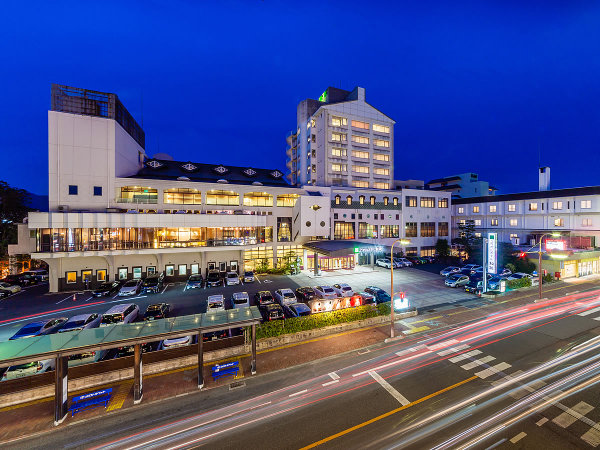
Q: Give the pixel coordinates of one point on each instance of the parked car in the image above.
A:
(183, 341)
(415, 260)
(456, 280)
(504, 272)
(296, 310)
(271, 311)
(367, 298)
(213, 279)
(39, 274)
(305, 294)
(494, 283)
(263, 298)
(108, 288)
(284, 296)
(31, 368)
(39, 328)
(20, 280)
(380, 295)
(325, 291)
(343, 290)
(81, 322)
(10, 288)
(383, 262)
(153, 283)
(194, 282)
(240, 300)
(215, 303)
(232, 278)
(474, 286)
(404, 262)
(249, 277)
(157, 311)
(519, 275)
(472, 267)
(123, 313)
(214, 335)
(129, 350)
(131, 287)
(4, 294)
(430, 259)
(449, 270)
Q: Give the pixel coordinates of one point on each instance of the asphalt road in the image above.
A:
(525, 377)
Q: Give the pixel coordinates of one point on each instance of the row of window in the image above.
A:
(427, 229)
(337, 121)
(426, 202)
(362, 198)
(74, 190)
(533, 206)
(363, 140)
(345, 230)
(368, 216)
(558, 222)
(340, 168)
(136, 272)
(342, 153)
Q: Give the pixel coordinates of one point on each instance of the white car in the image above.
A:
(240, 300)
(405, 262)
(183, 341)
(125, 313)
(472, 267)
(131, 287)
(343, 290)
(216, 303)
(232, 278)
(449, 270)
(384, 263)
(249, 276)
(325, 292)
(12, 288)
(285, 296)
(32, 368)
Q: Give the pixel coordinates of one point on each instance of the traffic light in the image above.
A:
(522, 255)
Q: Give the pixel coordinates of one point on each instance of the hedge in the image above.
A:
(320, 320)
(520, 283)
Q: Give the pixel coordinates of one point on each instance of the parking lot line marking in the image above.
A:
(258, 279)
(163, 291)
(304, 391)
(89, 298)
(388, 387)
(541, 422)
(518, 437)
(330, 383)
(66, 298)
(334, 376)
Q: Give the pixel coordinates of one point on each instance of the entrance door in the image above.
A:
(233, 266)
(223, 266)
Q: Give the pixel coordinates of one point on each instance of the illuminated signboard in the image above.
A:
(492, 252)
(370, 249)
(323, 97)
(555, 244)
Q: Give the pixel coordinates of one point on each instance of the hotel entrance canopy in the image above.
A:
(338, 249)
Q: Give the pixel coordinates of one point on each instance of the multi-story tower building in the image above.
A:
(341, 140)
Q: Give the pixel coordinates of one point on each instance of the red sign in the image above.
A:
(555, 244)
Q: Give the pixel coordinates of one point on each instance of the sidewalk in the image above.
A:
(37, 416)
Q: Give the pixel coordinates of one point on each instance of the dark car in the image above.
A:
(107, 289)
(194, 282)
(153, 283)
(380, 295)
(415, 260)
(214, 279)
(214, 335)
(367, 298)
(20, 279)
(271, 311)
(129, 350)
(296, 310)
(305, 294)
(474, 286)
(39, 328)
(157, 311)
(263, 298)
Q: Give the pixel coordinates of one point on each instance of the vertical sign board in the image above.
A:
(492, 253)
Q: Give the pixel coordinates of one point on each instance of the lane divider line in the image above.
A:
(334, 376)
(388, 387)
(304, 391)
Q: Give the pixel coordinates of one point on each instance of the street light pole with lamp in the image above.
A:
(540, 272)
(401, 242)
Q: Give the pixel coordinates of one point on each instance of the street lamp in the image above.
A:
(401, 242)
(540, 259)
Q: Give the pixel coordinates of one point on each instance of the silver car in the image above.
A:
(240, 300)
(216, 303)
(176, 342)
(81, 322)
(325, 292)
(131, 287)
(232, 278)
(456, 280)
(31, 368)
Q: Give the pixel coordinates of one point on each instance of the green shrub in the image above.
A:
(517, 284)
(548, 279)
(320, 320)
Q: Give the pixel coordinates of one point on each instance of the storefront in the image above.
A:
(576, 264)
(336, 255)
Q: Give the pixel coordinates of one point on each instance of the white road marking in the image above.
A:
(571, 415)
(464, 356)
(388, 387)
(492, 370)
(589, 311)
(66, 298)
(477, 362)
(258, 279)
(518, 437)
(89, 298)
(542, 421)
(330, 382)
(334, 376)
(453, 350)
(298, 393)
(592, 436)
(163, 291)
(408, 350)
(442, 344)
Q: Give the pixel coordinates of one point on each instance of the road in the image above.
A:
(524, 377)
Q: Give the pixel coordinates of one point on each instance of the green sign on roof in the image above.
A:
(323, 97)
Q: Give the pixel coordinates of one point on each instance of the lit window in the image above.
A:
(338, 137)
(442, 202)
(337, 199)
(258, 199)
(559, 222)
(477, 222)
(386, 201)
(513, 222)
(360, 184)
(512, 207)
(477, 235)
(586, 204)
(217, 197)
(101, 275)
(288, 200)
(169, 270)
(461, 210)
(475, 209)
(137, 194)
(338, 152)
(514, 235)
(381, 185)
(182, 269)
(427, 202)
(380, 171)
(182, 196)
(395, 201)
(557, 205)
(381, 143)
(360, 169)
(533, 207)
(338, 121)
(359, 154)
(359, 124)
(360, 139)
(492, 208)
(71, 277)
(586, 222)
(361, 200)
(381, 157)
(411, 201)
(338, 167)
(372, 200)
(381, 128)
(349, 200)
(494, 222)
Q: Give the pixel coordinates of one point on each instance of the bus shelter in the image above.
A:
(60, 346)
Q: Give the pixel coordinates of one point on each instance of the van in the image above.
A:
(125, 313)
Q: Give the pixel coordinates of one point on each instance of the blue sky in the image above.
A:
(473, 86)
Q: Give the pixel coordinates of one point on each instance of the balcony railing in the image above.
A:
(137, 200)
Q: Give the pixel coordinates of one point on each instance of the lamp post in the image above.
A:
(401, 242)
(540, 259)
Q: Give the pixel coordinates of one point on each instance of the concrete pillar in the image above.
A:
(61, 391)
(253, 363)
(138, 392)
(200, 361)
(316, 264)
(305, 259)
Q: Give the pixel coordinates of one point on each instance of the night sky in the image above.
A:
(473, 86)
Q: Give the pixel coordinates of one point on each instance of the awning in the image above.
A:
(336, 249)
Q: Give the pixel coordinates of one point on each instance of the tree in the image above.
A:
(466, 236)
(13, 209)
(442, 249)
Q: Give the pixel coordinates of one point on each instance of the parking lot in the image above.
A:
(422, 285)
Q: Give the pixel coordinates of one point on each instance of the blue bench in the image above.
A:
(222, 370)
(89, 401)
